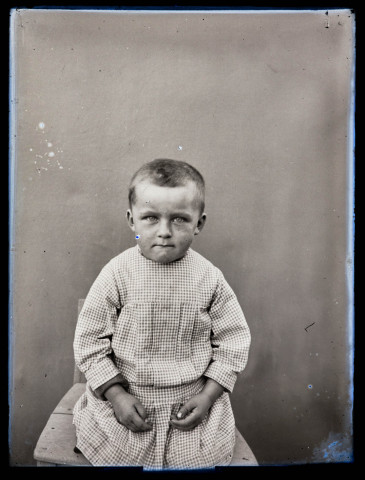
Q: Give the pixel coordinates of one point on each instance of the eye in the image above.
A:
(178, 220)
(150, 219)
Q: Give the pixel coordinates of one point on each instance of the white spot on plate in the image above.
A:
(51, 154)
(179, 147)
(49, 144)
(41, 125)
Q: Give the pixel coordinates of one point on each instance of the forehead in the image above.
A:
(149, 195)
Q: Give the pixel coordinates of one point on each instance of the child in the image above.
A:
(160, 338)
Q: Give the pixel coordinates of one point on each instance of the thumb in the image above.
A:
(185, 409)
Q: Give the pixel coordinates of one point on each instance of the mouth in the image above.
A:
(163, 246)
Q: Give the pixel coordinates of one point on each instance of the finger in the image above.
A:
(185, 409)
(132, 427)
(122, 421)
(140, 424)
(126, 423)
(188, 423)
(173, 416)
(141, 410)
(135, 424)
(142, 428)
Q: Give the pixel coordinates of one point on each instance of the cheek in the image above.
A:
(140, 228)
(144, 233)
(185, 236)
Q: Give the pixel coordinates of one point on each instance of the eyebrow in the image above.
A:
(151, 213)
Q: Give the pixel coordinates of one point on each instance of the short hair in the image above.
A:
(165, 172)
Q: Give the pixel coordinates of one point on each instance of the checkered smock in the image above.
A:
(164, 328)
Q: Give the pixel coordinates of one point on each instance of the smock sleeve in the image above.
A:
(230, 337)
(94, 331)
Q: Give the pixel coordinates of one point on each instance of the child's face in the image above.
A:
(165, 220)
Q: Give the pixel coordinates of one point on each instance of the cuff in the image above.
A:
(221, 374)
(99, 392)
(101, 372)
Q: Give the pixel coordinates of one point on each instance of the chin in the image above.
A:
(165, 258)
(168, 257)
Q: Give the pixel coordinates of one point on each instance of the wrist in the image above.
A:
(212, 390)
(118, 379)
(207, 398)
(115, 390)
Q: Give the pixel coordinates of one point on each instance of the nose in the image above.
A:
(164, 230)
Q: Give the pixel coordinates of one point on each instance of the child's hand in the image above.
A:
(195, 409)
(128, 410)
(192, 412)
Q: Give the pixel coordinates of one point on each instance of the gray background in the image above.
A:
(259, 103)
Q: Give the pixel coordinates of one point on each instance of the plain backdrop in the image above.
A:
(260, 103)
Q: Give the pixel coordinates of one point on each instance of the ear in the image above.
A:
(130, 221)
(200, 225)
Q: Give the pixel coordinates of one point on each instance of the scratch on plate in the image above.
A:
(309, 326)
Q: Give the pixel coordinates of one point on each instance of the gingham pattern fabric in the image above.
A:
(165, 328)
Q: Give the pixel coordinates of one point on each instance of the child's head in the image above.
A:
(168, 173)
(166, 200)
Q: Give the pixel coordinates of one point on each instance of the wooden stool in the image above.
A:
(55, 446)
